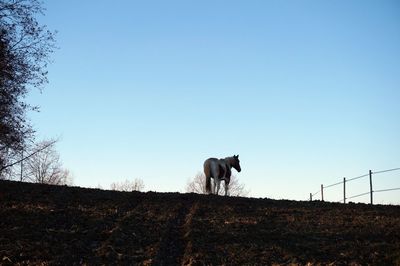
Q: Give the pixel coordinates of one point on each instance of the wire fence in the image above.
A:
(345, 181)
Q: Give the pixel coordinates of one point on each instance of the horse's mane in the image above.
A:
(229, 159)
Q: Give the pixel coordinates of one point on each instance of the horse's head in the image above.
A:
(236, 163)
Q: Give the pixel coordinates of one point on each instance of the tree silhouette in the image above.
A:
(198, 185)
(135, 185)
(25, 46)
(45, 166)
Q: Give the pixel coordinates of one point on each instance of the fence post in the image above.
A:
(22, 165)
(322, 192)
(344, 190)
(370, 185)
(310, 196)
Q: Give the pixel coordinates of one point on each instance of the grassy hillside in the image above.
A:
(41, 224)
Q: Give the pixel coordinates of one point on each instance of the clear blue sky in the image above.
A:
(306, 92)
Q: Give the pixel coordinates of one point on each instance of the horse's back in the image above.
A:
(209, 160)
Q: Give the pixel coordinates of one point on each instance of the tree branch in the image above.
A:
(27, 157)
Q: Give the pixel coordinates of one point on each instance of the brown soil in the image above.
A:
(59, 225)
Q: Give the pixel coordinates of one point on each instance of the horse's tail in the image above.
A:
(208, 184)
(207, 172)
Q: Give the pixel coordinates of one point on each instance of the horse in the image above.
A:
(220, 169)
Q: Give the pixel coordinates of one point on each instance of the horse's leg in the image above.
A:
(214, 174)
(226, 188)
(217, 185)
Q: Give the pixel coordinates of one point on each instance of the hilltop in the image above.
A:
(43, 224)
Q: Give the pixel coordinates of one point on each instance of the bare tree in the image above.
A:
(25, 46)
(135, 185)
(15, 169)
(198, 185)
(45, 166)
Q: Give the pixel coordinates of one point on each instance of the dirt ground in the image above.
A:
(59, 225)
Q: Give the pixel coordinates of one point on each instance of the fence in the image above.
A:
(345, 181)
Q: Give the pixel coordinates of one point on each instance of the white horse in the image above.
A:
(220, 169)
